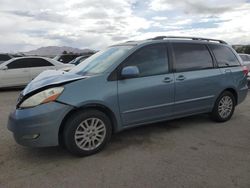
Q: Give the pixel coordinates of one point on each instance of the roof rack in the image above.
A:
(190, 38)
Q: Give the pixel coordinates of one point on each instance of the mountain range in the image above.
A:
(56, 50)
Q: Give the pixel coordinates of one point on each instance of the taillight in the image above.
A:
(245, 70)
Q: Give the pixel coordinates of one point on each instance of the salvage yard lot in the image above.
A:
(189, 152)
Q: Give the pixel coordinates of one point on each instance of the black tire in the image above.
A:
(216, 115)
(73, 123)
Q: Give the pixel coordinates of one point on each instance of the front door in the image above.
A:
(17, 74)
(150, 96)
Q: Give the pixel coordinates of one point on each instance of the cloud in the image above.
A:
(81, 24)
(26, 24)
(44, 15)
(225, 19)
(196, 6)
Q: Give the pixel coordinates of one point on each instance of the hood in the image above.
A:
(51, 77)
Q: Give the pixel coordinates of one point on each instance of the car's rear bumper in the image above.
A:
(38, 126)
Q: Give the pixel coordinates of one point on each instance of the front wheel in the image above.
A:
(224, 107)
(87, 132)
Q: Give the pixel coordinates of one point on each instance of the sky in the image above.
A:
(29, 24)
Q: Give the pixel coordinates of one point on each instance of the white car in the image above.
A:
(20, 71)
(246, 61)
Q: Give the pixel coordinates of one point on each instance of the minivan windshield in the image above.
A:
(101, 61)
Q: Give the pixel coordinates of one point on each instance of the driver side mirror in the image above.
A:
(4, 67)
(130, 72)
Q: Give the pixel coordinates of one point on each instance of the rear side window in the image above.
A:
(17, 64)
(37, 62)
(224, 56)
(189, 57)
(28, 63)
(150, 60)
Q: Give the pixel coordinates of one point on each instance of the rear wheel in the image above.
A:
(224, 107)
(87, 132)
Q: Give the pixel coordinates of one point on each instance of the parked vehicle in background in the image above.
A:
(246, 61)
(20, 71)
(5, 57)
(79, 59)
(65, 58)
(18, 55)
(128, 85)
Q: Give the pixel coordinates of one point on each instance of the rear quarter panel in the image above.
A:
(236, 80)
(240, 83)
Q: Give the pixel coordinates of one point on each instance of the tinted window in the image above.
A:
(150, 60)
(67, 58)
(190, 57)
(27, 63)
(17, 64)
(4, 57)
(36, 62)
(224, 56)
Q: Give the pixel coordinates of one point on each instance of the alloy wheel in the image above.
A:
(90, 134)
(225, 106)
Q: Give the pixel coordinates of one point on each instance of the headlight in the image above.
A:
(42, 97)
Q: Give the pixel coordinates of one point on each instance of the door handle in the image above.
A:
(181, 78)
(167, 80)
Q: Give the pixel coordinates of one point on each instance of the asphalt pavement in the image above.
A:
(189, 152)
